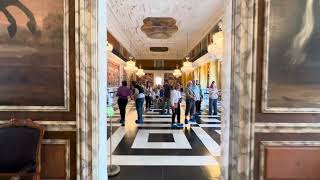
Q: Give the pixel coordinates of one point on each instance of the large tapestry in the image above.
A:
(292, 56)
(148, 77)
(34, 55)
(113, 74)
(172, 80)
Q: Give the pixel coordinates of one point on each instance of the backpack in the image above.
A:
(141, 90)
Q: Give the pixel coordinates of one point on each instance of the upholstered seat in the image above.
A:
(20, 142)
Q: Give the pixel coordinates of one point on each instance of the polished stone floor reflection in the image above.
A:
(155, 151)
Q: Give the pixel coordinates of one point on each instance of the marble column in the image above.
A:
(238, 90)
(91, 53)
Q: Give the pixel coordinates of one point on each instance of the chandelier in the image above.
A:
(187, 66)
(140, 72)
(109, 47)
(177, 72)
(130, 66)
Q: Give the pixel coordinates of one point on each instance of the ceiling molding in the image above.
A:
(214, 21)
(117, 32)
(125, 19)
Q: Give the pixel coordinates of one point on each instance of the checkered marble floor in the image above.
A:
(153, 150)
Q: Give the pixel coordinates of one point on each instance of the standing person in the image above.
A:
(198, 108)
(175, 99)
(166, 96)
(190, 101)
(139, 99)
(148, 94)
(123, 93)
(196, 91)
(213, 98)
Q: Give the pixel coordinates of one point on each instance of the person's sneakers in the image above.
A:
(123, 124)
(193, 119)
(186, 121)
(121, 121)
(179, 125)
(173, 126)
(138, 122)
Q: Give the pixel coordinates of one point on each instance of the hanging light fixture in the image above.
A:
(130, 66)
(140, 72)
(218, 43)
(109, 47)
(187, 65)
(177, 72)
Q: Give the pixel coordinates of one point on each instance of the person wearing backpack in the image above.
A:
(139, 99)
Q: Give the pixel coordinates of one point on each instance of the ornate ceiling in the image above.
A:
(141, 24)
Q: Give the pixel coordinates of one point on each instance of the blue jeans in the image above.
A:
(139, 107)
(213, 104)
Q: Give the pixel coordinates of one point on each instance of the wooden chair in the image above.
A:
(20, 149)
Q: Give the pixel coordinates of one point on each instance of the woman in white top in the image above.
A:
(175, 100)
(213, 98)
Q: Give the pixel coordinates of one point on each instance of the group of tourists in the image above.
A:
(168, 99)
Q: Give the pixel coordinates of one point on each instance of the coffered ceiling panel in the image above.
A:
(141, 24)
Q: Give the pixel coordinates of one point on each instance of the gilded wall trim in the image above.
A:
(287, 128)
(54, 125)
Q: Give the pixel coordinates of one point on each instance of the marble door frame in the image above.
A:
(239, 88)
(91, 67)
(238, 71)
(238, 74)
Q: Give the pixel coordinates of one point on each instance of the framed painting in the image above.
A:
(171, 79)
(34, 55)
(113, 74)
(148, 77)
(291, 71)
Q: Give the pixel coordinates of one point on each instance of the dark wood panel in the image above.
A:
(56, 116)
(55, 166)
(278, 137)
(71, 136)
(299, 162)
(112, 40)
(263, 117)
(168, 64)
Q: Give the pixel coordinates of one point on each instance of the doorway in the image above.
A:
(237, 91)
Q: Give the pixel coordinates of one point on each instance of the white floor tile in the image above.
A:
(210, 120)
(210, 125)
(124, 160)
(116, 138)
(212, 146)
(141, 140)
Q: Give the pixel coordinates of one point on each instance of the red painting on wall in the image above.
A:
(113, 74)
(172, 80)
(148, 77)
